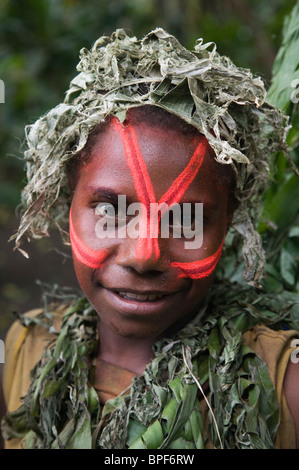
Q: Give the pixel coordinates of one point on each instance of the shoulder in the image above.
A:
(274, 347)
(24, 345)
(280, 351)
(291, 385)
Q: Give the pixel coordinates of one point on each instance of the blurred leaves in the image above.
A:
(286, 66)
(280, 227)
(40, 41)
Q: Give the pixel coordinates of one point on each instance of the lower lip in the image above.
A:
(132, 306)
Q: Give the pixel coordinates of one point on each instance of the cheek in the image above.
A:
(201, 268)
(83, 235)
(199, 289)
(84, 275)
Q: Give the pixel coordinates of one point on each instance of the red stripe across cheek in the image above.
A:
(86, 255)
(199, 269)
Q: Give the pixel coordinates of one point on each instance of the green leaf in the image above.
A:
(188, 395)
(51, 387)
(175, 386)
(64, 435)
(279, 207)
(93, 400)
(287, 267)
(294, 232)
(169, 414)
(81, 438)
(151, 438)
(197, 427)
(135, 430)
(182, 443)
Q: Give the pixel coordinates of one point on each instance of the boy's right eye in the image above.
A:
(111, 211)
(105, 209)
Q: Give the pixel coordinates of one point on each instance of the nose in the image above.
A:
(141, 254)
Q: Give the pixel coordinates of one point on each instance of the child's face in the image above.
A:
(137, 288)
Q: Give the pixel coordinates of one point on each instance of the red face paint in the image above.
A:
(199, 269)
(86, 255)
(147, 246)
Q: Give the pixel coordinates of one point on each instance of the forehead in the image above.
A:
(166, 153)
(158, 146)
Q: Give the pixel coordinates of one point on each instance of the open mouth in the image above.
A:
(140, 297)
(141, 302)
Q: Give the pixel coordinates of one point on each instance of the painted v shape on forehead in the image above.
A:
(147, 246)
(142, 181)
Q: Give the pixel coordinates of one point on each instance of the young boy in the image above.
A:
(152, 161)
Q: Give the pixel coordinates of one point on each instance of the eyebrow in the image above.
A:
(206, 203)
(111, 195)
(99, 192)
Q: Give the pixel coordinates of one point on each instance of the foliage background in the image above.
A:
(39, 45)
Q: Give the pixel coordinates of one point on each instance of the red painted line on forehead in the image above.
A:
(181, 183)
(136, 163)
(142, 182)
(199, 269)
(146, 247)
(86, 255)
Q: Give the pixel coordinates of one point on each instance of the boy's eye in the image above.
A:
(112, 212)
(186, 220)
(105, 209)
(182, 218)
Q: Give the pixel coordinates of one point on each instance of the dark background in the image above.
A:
(39, 45)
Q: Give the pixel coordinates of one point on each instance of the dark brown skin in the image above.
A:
(128, 328)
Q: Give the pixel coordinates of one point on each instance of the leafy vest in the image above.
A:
(162, 408)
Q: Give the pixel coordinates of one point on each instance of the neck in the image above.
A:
(130, 353)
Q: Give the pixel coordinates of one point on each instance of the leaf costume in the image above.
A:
(162, 409)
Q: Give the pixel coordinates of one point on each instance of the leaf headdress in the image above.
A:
(225, 103)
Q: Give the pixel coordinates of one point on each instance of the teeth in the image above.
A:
(142, 297)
